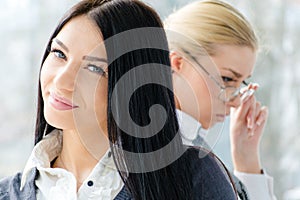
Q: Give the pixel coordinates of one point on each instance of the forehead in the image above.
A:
(81, 33)
(240, 59)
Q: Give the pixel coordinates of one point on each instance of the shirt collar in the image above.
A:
(48, 149)
(189, 126)
(43, 153)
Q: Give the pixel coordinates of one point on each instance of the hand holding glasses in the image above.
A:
(247, 92)
(254, 115)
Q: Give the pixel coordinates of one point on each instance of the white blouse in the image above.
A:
(104, 182)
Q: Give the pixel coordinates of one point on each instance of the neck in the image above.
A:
(204, 124)
(177, 104)
(78, 156)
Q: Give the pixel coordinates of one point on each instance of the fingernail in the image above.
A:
(249, 124)
(255, 85)
(258, 122)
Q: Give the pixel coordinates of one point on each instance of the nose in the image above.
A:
(236, 102)
(65, 77)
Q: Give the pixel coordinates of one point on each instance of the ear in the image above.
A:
(176, 61)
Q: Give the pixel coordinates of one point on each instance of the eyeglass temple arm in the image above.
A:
(208, 74)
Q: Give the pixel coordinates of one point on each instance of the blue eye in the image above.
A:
(226, 79)
(95, 69)
(58, 53)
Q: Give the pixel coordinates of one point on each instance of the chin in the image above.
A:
(209, 124)
(57, 121)
(205, 125)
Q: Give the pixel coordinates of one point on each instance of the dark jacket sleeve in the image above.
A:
(210, 179)
(10, 187)
(123, 195)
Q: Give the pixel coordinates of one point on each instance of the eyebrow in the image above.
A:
(89, 58)
(93, 58)
(236, 74)
(60, 43)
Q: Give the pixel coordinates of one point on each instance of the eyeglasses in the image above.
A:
(227, 93)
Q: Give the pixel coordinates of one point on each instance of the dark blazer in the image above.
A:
(209, 179)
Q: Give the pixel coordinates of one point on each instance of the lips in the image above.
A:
(60, 103)
(220, 117)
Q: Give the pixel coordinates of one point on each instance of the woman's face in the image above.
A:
(198, 94)
(73, 78)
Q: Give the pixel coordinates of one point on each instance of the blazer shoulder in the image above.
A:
(211, 179)
(10, 187)
(9, 184)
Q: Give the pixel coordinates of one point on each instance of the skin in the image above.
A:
(230, 65)
(69, 73)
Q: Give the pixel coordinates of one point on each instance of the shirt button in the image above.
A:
(90, 183)
(109, 154)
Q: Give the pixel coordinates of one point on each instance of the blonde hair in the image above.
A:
(200, 25)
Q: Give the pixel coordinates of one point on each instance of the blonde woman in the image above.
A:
(213, 52)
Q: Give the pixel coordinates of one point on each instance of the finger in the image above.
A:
(256, 116)
(254, 86)
(247, 94)
(244, 89)
(251, 114)
(244, 107)
(257, 110)
(263, 119)
(263, 115)
(248, 91)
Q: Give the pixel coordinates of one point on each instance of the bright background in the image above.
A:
(27, 24)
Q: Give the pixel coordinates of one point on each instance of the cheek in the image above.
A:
(101, 113)
(207, 99)
(43, 79)
(101, 102)
(184, 88)
(195, 97)
(204, 99)
(46, 76)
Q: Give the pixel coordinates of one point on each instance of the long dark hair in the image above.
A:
(159, 177)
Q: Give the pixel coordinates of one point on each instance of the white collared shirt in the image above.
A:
(104, 182)
(259, 186)
(190, 128)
